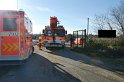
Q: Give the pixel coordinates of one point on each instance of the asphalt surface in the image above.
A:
(58, 66)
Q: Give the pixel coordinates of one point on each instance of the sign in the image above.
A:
(106, 33)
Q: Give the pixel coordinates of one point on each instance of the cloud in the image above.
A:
(43, 9)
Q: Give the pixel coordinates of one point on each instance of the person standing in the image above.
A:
(71, 42)
(40, 42)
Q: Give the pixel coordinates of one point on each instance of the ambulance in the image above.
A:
(15, 36)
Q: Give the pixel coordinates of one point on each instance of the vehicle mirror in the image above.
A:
(66, 32)
(43, 31)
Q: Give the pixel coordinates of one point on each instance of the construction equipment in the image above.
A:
(79, 37)
(54, 35)
(15, 36)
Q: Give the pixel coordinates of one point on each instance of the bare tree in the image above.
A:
(109, 22)
(99, 22)
(103, 22)
(118, 17)
(112, 20)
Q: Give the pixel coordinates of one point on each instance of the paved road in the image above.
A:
(58, 66)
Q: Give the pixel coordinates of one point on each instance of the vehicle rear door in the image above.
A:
(9, 35)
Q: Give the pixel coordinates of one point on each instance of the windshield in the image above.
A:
(58, 33)
(48, 33)
(61, 32)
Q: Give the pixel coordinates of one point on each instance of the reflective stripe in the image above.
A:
(10, 47)
(9, 33)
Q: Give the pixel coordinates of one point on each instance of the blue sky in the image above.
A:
(72, 14)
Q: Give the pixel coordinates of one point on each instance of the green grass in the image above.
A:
(101, 52)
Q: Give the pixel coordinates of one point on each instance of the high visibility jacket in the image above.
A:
(40, 39)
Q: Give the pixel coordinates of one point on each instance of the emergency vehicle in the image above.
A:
(15, 36)
(54, 35)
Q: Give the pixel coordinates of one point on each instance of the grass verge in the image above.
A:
(108, 56)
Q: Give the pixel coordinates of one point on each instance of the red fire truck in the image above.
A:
(15, 36)
(54, 35)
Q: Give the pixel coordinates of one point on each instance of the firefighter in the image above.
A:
(40, 42)
(71, 42)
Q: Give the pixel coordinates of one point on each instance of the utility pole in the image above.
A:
(87, 29)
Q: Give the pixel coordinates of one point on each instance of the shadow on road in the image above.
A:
(67, 53)
(36, 69)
